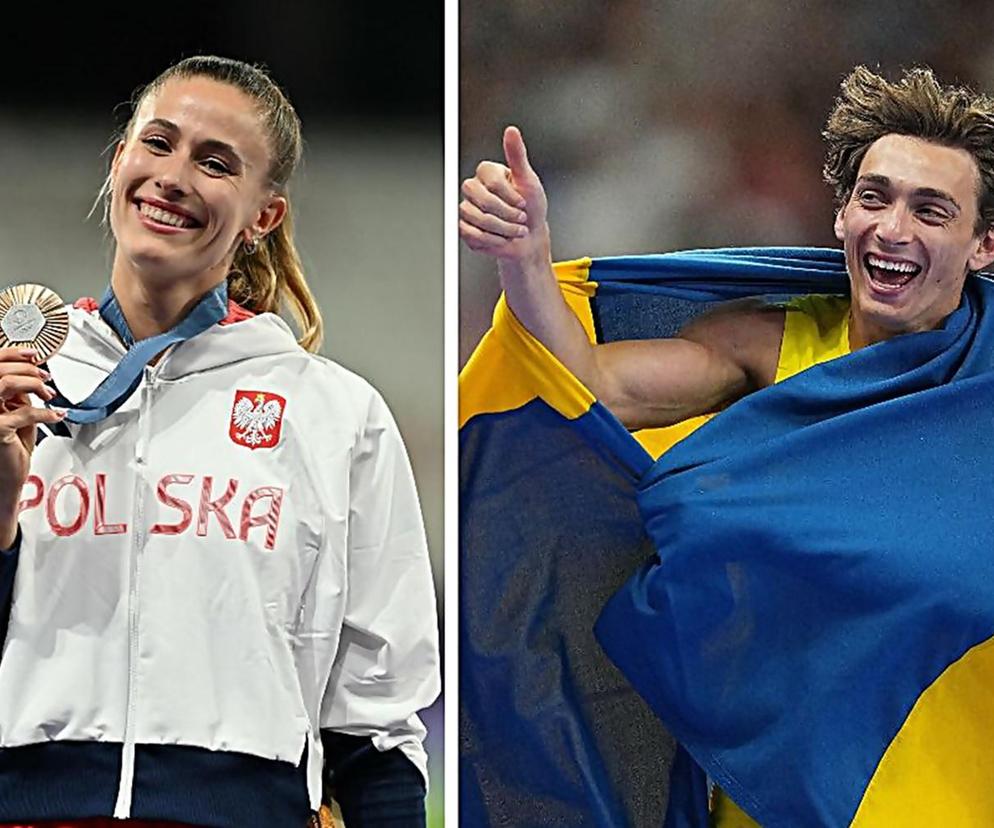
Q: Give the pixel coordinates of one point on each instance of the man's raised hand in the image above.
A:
(503, 212)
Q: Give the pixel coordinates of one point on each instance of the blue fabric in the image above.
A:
(810, 539)
(374, 789)
(797, 552)
(121, 383)
(74, 780)
(8, 570)
(204, 787)
(723, 273)
(550, 733)
(688, 803)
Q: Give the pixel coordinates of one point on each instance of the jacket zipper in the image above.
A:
(122, 808)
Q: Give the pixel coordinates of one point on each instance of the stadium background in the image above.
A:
(368, 88)
(688, 123)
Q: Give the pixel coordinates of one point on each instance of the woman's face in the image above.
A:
(189, 182)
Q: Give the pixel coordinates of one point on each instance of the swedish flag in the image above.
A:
(814, 589)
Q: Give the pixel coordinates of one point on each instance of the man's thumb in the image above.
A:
(516, 155)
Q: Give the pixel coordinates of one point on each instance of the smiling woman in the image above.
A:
(200, 121)
(217, 602)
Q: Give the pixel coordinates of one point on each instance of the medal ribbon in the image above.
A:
(121, 383)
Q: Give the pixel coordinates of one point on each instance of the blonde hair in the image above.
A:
(271, 278)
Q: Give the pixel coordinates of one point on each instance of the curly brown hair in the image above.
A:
(870, 107)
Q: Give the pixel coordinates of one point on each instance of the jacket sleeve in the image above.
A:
(8, 569)
(387, 664)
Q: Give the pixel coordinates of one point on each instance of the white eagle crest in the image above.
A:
(256, 420)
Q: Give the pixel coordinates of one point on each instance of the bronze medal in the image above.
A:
(33, 316)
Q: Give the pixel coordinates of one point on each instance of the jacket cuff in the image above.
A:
(8, 569)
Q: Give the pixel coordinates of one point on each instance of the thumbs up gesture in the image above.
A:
(503, 212)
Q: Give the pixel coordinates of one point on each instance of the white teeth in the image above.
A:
(164, 216)
(897, 267)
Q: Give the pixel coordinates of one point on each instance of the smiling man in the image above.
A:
(912, 165)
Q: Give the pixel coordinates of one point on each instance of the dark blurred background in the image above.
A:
(687, 123)
(367, 84)
(340, 61)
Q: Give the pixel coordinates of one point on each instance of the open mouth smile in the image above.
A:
(163, 218)
(889, 275)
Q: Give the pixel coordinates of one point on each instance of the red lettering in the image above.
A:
(215, 506)
(66, 529)
(35, 499)
(185, 508)
(67, 517)
(270, 520)
(100, 526)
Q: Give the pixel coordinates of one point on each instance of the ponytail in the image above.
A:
(272, 279)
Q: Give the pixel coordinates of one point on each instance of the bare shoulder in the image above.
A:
(748, 332)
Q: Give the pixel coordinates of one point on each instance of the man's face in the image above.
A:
(908, 233)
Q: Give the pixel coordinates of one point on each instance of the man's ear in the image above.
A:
(984, 254)
(840, 223)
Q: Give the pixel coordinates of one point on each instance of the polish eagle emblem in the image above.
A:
(256, 419)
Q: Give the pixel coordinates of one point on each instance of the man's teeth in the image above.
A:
(164, 216)
(896, 267)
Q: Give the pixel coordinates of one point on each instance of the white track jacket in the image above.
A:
(230, 562)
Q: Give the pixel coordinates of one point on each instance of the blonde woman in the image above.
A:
(218, 595)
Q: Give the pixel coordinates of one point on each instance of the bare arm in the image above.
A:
(503, 215)
(714, 361)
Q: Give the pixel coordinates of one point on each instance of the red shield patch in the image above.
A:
(256, 419)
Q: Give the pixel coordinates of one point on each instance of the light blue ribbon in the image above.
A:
(121, 383)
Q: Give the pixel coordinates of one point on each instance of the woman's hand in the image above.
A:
(504, 210)
(19, 377)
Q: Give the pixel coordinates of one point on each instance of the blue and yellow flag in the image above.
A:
(813, 595)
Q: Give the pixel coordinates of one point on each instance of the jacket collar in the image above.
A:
(92, 341)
